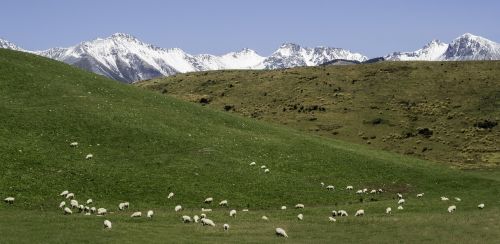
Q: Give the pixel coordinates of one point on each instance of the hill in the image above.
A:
(146, 145)
(440, 111)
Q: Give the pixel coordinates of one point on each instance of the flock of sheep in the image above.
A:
(88, 209)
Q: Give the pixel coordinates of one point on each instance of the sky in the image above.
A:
(373, 28)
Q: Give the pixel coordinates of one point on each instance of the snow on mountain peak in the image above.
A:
(9, 45)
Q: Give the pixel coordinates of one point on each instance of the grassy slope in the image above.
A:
(446, 97)
(146, 145)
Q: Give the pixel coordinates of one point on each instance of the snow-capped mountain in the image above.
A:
(9, 45)
(465, 47)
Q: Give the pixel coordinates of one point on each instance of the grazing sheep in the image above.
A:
(102, 211)
(89, 201)
(73, 144)
(283, 207)
(342, 213)
(244, 210)
(349, 188)
(400, 196)
(400, 207)
(87, 209)
(388, 210)
(281, 232)
(67, 211)
(170, 195)
(209, 200)
(93, 210)
(203, 215)
(360, 212)
(420, 195)
(178, 208)
(196, 218)
(444, 199)
(121, 206)
(81, 208)
(480, 206)
(334, 213)
(380, 190)
(232, 213)
(126, 204)
(64, 193)
(89, 156)
(359, 192)
(299, 205)
(73, 203)
(452, 208)
(266, 171)
(107, 224)
(401, 201)
(136, 214)
(322, 184)
(252, 163)
(458, 199)
(373, 191)
(150, 214)
(62, 204)
(223, 203)
(265, 218)
(187, 219)
(206, 209)
(9, 200)
(70, 195)
(330, 187)
(300, 217)
(365, 190)
(332, 219)
(263, 167)
(226, 227)
(208, 222)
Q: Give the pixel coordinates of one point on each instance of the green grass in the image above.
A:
(382, 105)
(146, 145)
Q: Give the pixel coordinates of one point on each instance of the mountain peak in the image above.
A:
(9, 45)
(120, 35)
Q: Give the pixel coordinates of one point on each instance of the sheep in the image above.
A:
(208, 200)
(89, 156)
(330, 187)
(206, 209)
(89, 201)
(401, 201)
(452, 208)
(400, 207)
(150, 214)
(263, 167)
(178, 208)
(187, 219)
(170, 195)
(81, 208)
(400, 196)
(360, 212)
(359, 192)
(62, 204)
(388, 210)
(67, 211)
(126, 204)
(244, 210)
(121, 206)
(342, 213)
(458, 199)
(226, 227)
(70, 195)
(73, 203)
(232, 213)
(9, 200)
(107, 224)
(380, 190)
(349, 188)
(299, 205)
(332, 219)
(480, 206)
(208, 222)
(322, 184)
(102, 211)
(64, 193)
(281, 232)
(334, 213)
(365, 190)
(373, 191)
(265, 218)
(420, 195)
(87, 210)
(203, 216)
(266, 171)
(223, 203)
(444, 199)
(300, 217)
(196, 218)
(252, 163)
(283, 207)
(136, 214)
(93, 210)
(73, 144)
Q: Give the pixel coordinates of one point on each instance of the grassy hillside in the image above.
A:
(441, 111)
(146, 145)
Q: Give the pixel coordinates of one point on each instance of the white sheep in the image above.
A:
(332, 219)
(263, 167)
(444, 199)
(107, 224)
(62, 204)
(283, 207)
(322, 184)
(89, 201)
(196, 218)
(365, 190)
(73, 144)
(265, 218)
(126, 204)
(208, 222)
(299, 205)
(136, 214)
(334, 213)
(452, 208)
(226, 227)
(401, 201)
(244, 210)
(209, 200)
(380, 190)
(73, 203)
(9, 200)
(70, 195)
(187, 219)
(178, 208)
(93, 210)
(89, 156)
(206, 209)
(420, 195)
(81, 208)
(67, 211)
(360, 212)
(266, 171)
(281, 232)
(150, 214)
(170, 195)
(252, 163)
(64, 193)
(373, 191)
(203, 216)
(400, 207)
(223, 203)
(232, 213)
(330, 187)
(458, 199)
(300, 217)
(342, 213)
(102, 211)
(400, 196)
(359, 192)
(480, 206)
(388, 210)
(349, 188)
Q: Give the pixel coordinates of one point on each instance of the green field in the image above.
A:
(429, 110)
(146, 145)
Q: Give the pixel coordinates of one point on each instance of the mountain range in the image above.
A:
(125, 58)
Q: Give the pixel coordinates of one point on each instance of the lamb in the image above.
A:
(62, 204)
(334, 213)
(70, 195)
(444, 199)
(67, 211)
(400, 207)
(252, 163)
(107, 224)
(452, 208)
(388, 210)
(150, 214)
(266, 171)
(400, 196)
(89, 201)
(232, 213)
(265, 218)
(208, 222)
(420, 195)
(330, 187)
(178, 208)
(195, 218)
(332, 219)
(300, 217)
(187, 219)
(73, 144)
(136, 214)
(64, 193)
(299, 205)
(349, 188)
(73, 203)
(102, 211)
(89, 156)
(401, 201)
(208, 200)
(223, 203)
(283, 207)
(9, 200)
(360, 212)
(342, 213)
(281, 232)
(226, 227)
(170, 195)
